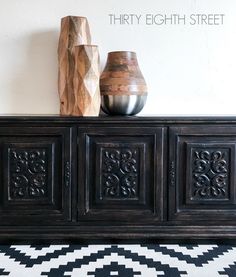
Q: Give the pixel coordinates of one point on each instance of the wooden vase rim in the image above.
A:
(75, 16)
(128, 54)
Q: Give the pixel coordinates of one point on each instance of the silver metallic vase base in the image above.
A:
(123, 104)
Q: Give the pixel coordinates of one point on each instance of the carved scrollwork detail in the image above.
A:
(27, 173)
(172, 173)
(210, 174)
(67, 174)
(120, 173)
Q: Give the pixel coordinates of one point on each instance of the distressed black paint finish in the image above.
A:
(32, 167)
(123, 174)
(210, 172)
(120, 170)
(205, 174)
(72, 178)
(28, 173)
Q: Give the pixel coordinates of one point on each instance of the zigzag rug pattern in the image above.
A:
(141, 260)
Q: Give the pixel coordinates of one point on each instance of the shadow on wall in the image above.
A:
(34, 85)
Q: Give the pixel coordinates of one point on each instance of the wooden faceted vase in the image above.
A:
(74, 31)
(122, 85)
(86, 81)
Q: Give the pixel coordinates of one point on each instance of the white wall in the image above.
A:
(188, 69)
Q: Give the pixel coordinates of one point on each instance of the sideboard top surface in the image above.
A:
(119, 119)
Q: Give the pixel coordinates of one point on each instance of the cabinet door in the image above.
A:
(34, 175)
(120, 174)
(202, 183)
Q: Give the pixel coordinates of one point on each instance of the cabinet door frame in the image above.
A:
(54, 145)
(150, 145)
(193, 179)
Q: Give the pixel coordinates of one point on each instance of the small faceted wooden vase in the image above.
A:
(78, 78)
(122, 85)
(86, 80)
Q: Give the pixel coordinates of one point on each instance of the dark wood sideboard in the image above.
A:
(73, 178)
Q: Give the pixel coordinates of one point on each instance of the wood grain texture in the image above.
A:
(86, 81)
(122, 75)
(74, 31)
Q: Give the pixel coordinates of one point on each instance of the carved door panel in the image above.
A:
(121, 174)
(34, 175)
(202, 183)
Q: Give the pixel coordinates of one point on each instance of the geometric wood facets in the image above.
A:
(120, 172)
(27, 173)
(210, 174)
(74, 31)
(78, 78)
(86, 81)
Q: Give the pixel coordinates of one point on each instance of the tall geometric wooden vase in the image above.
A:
(86, 81)
(74, 31)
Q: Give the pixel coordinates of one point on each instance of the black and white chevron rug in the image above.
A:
(145, 260)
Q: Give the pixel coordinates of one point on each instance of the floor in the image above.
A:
(146, 260)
